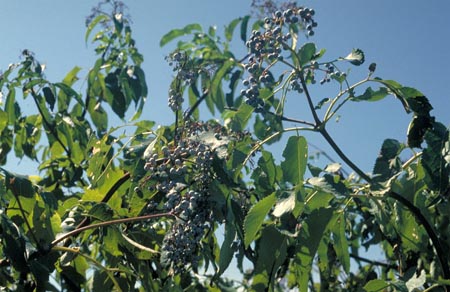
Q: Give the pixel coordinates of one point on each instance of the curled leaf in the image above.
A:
(356, 57)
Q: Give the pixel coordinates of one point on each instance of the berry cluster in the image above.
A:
(182, 174)
(175, 100)
(268, 46)
(185, 69)
(332, 73)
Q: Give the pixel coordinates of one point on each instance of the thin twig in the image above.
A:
(196, 104)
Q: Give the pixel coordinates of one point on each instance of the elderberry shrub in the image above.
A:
(267, 47)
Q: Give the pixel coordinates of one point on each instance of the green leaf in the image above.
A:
(255, 218)
(417, 128)
(11, 107)
(371, 95)
(340, 242)
(306, 53)
(3, 120)
(216, 85)
(272, 252)
(244, 26)
(111, 241)
(312, 231)
(227, 250)
(388, 162)
(20, 185)
(356, 57)
(72, 77)
(229, 29)
(265, 175)
(93, 24)
(175, 33)
(436, 158)
(49, 97)
(295, 159)
(376, 285)
(13, 244)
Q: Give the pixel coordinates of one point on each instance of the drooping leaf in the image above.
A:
(255, 218)
(417, 129)
(310, 236)
(388, 161)
(244, 25)
(175, 33)
(436, 158)
(49, 97)
(227, 250)
(340, 242)
(271, 254)
(93, 24)
(295, 159)
(229, 29)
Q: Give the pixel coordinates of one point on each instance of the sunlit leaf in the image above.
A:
(356, 57)
(175, 33)
(285, 205)
(295, 159)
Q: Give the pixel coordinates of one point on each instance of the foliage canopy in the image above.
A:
(142, 211)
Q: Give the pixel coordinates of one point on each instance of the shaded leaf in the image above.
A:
(388, 162)
(340, 242)
(436, 158)
(311, 234)
(255, 218)
(306, 53)
(417, 129)
(244, 25)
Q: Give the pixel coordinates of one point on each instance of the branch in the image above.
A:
(308, 98)
(372, 262)
(287, 119)
(196, 104)
(107, 223)
(429, 229)
(341, 154)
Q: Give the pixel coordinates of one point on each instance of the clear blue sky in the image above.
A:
(409, 40)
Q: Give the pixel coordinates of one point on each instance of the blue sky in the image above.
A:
(409, 41)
